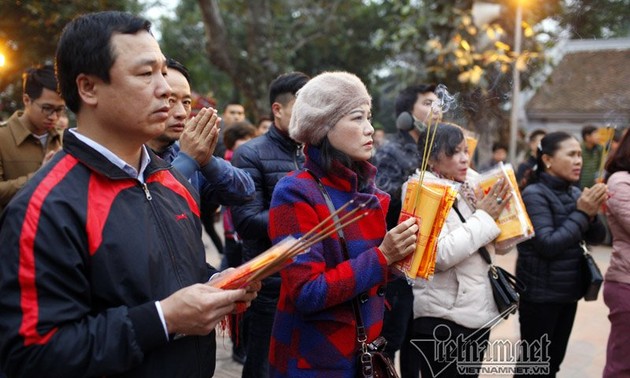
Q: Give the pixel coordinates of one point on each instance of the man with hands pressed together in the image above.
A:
(216, 180)
(104, 269)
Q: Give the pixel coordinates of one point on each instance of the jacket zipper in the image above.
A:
(149, 197)
(146, 191)
(169, 248)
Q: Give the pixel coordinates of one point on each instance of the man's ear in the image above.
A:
(26, 99)
(87, 88)
(275, 109)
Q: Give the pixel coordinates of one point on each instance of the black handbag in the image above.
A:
(506, 288)
(595, 278)
(372, 361)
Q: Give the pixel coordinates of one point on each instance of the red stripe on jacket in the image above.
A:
(101, 195)
(167, 179)
(28, 289)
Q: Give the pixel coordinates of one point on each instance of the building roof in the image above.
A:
(585, 83)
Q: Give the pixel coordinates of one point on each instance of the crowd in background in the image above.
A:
(101, 223)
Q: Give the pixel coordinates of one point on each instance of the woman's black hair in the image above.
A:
(620, 159)
(549, 144)
(329, 154)
(447, 138)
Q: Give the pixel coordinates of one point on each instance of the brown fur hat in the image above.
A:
(322, 102)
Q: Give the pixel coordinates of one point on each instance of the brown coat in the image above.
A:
(21, 154)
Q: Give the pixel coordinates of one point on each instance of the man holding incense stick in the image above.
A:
(103, 268)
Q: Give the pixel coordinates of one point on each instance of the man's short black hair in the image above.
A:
(499, 146)
(536, 133)
(232, 102)
(172, 63)
(85, 48)
(286, 84)
(408, 97)
(34, 80)
(588, 130)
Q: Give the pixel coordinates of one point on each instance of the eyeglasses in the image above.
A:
(48, 110)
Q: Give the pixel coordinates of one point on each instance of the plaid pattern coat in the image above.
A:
(314, 332)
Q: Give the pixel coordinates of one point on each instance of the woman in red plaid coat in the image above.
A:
(314, 332)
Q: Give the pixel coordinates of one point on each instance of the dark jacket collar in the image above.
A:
(97, 162)
(281, 138)
(405, 138)
(555, 183)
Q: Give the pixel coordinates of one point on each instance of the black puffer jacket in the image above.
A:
(395, 161)
(267, 159)
(551, 263)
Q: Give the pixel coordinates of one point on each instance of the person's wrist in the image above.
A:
(206, 162)
(589, 216)
(388, 260)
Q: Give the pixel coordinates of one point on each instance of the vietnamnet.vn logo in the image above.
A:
(501, 357)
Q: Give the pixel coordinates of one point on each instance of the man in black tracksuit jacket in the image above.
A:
(103, 270)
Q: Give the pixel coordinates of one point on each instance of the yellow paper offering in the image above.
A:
(513, 221)
(427, 265)
(472, 138)
(471, 142)
(431, 199)
(605, 135)
(430, 203)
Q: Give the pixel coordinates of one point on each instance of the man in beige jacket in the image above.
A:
(30, 137)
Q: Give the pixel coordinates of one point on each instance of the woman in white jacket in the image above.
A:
(457, 303)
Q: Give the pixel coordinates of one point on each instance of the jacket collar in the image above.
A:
(405, 137)
(282, 138)
(555, 183)
(97, 162)
(21, 132)
(170, 152)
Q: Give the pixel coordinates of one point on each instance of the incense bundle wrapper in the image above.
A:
(429, 200)
(262, 266)
(280, 255)
(513, 221)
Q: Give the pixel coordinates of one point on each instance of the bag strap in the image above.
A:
(517, 283)
(361, 335)
(483, 252)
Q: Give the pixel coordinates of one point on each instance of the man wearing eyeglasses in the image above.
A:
(30, 137)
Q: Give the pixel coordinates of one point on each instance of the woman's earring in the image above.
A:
(548, 166)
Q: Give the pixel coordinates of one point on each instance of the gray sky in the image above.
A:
(157, 9)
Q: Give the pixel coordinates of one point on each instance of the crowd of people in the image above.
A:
(104, 270)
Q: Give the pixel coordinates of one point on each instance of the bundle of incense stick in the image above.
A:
(609, 135)
(278, 256)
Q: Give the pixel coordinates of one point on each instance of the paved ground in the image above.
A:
(586, 354)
